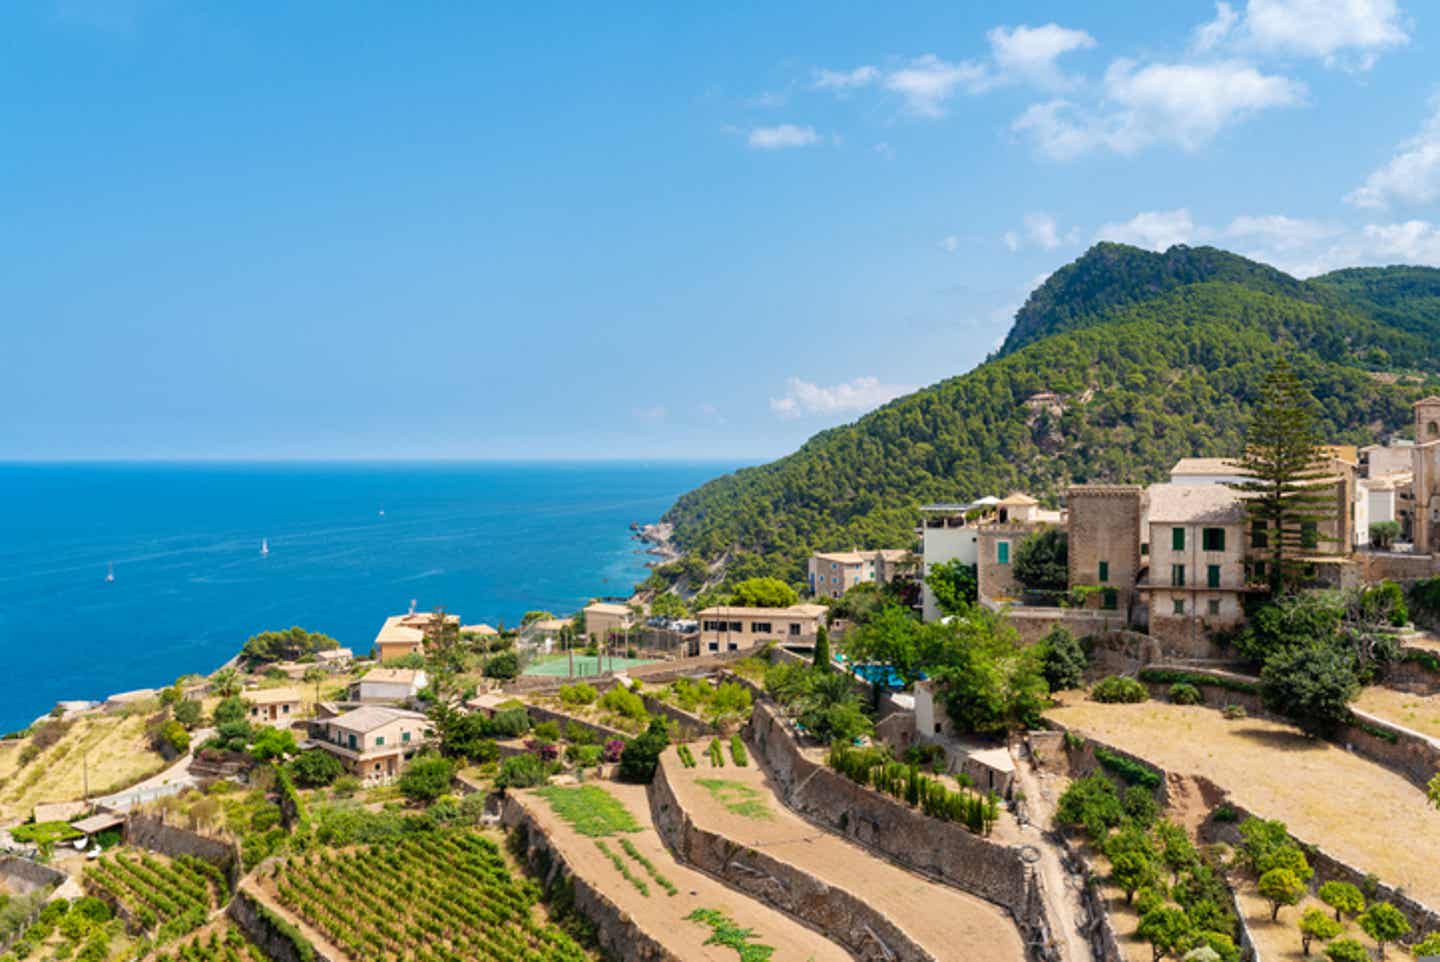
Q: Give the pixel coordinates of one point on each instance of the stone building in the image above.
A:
(1104, 527)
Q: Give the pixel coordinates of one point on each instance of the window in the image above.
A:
(1212, 539)
(1258, 537)
(405, 738)
(1002, 552)
(1177, 575)
(1110, 599)
(1212, 576)
(1104, 571)
(736, 626)
(1309, 534)
(1177, 539)
(734, 646)
(284, 709)
(833, 566)
(795, 629)
(379, 740)
(1260, 570)
(352, 741)
(759, 627)
(1213, 606)
(1144, 548)
(714, 646)
(1178, 605)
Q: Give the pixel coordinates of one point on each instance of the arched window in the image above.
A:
(1433, 429)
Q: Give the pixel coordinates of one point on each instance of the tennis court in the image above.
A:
(558, 666)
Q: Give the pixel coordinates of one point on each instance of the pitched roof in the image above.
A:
(1195, 503)
(1018, 497)
(391, 676)
(480, 629)
(270, 696)
(1190, 466)
(372, 717)
(794, 611)
(607, 608)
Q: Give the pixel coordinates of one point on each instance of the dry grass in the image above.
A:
(1417, 712)
(1279, 941)
(1353, 809)
(118, 755)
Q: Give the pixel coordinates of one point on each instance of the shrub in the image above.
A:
(522, 771)
(426, 778)
(1090, 803)
(1313, 685)
(1233, 712)
(345, 786)
(1064, 661)
(1132, 771)
(737, 751)
(548, 731)
(578, 694)
(510, 723)
(1347, 950)
(187, 713)
(614, 747)
(624, 702)
(640, 756)
(1184, 693)
(505, 666)
(315, 768)
(1119, 689)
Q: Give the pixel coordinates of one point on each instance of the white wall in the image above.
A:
(939, 545)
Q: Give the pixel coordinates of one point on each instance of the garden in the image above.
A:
(161, 899)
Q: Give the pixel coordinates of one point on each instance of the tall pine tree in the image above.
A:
(1285, 472)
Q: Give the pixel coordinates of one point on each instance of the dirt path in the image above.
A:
(945, 921)
(662, 916)
(1059, 886)
(266, 897)
(1313, 786)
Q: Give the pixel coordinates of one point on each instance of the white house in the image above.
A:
(389, 685)
(949, 532)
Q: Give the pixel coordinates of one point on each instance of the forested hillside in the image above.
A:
(1144, 380)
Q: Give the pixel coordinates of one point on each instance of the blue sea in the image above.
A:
(485, 540)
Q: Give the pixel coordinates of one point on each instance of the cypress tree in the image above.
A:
(822, 647)
(1284, 469)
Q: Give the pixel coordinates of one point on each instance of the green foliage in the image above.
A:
(1184, 693)
(1280, 888)
(45, 833)
(1167, 929)
(590, 810)
(763, 593)
(1063, 659)
(1430, 945)
(622, 868)
(728, 702)
(736, 797)
(1383, 534)
(504, 666)
(1091, 803)
(624, 702)
(426, 778)
(272, 743)
(1383, 922)
(649, 867)
(669, 605)
(1132, 771)
(510, 723)
(1347, 950)
(187, 712)
(1118, 689)
(578, 694)
(1165, 676)
(723, 931)
(989, 681)
(315, 768)
(1315, 924)
(1167, 364)
(955, 585)
(738, 754)
(522, 771)
(291, 645)
(229, 709)
(1313, 686)
(1042, 561)
(642, 753)
(874, 767)
(821, 655)
(1343, 897)
(174, 736)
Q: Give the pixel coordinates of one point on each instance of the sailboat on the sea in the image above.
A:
(110, 572)
(264, 547)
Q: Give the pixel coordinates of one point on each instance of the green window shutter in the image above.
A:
(1212, 576)
(1177, 575)
(1104, 571)
(1214, 539)
(1258, 537)
(1002, 552)
(1110, 599)
(1177, 539)
(1179, 606)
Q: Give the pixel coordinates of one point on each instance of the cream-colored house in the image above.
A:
(374, 742)
(403, 635)
(832, 573)
(272, 706)
(603, 618)
(389, 685)
(731, 628)
(1197, 547)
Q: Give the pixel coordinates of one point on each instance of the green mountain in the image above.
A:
(1154, 356)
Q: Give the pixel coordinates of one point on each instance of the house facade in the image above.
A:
(272, 706)
(389, 685)
(602, 619)
(375, 742)
(403, 635)
(832, 573)
(732, 628)
(948, 532)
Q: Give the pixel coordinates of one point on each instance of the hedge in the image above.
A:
(1169, 676)
(1132, 771)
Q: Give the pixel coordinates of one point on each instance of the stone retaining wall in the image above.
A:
(23, 876)
(268, 931)
(152, 832)
(842, 916)
(689, 726)
(616, 931)
(942, 850)
(539, 714)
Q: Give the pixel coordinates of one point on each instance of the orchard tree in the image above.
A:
(1383, 922)
(1284, 472)
(1132, 871)
(1167, 929)
(1280, 887)
(1347, 950)
(1343, 898)
(1315, 924)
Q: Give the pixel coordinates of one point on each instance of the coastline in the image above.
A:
(658, 535)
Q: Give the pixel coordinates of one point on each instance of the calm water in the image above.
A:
(487, 541)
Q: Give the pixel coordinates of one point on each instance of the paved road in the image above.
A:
(171, 781)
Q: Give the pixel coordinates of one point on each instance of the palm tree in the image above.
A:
(226, 682)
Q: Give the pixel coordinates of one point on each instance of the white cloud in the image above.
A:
(1029, 53)
(846, 79)
(1209, 35)
(1040, 230)
(928, 82)
(1277, 232)
(781, 137)
(1345, 33)
(1155, 229)
(861, 394)
(654, 413)
(1183, 104)
(951, 243)
(1411, 176)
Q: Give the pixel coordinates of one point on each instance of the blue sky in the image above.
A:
(531, 230)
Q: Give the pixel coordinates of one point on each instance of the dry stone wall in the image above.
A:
(152, 832)
(849, 920)
(273, 935)
(614, 928)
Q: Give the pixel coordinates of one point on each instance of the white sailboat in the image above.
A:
(264, 547)
(382, 512)
(110, 572)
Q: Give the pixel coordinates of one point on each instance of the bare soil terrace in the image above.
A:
(1419, 713)
(945, 921)
(662, 916)
(1357, 811)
